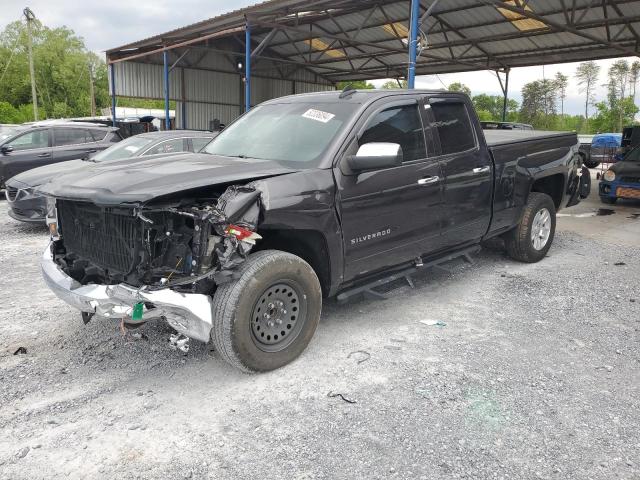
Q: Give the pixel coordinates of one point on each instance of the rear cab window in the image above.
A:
(452, 125)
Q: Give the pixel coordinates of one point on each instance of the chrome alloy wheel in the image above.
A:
(541, 229)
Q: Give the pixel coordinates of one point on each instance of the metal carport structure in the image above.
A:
(221, 66)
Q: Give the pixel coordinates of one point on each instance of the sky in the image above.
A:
(108, 24)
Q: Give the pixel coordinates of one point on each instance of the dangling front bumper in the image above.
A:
(189, 313)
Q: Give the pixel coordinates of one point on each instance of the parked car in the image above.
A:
(604, 148)
(505, 126)
(34, 145)
(28, 206)
(622, 179)
(308, 195)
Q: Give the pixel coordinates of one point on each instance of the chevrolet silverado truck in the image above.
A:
(304, 197)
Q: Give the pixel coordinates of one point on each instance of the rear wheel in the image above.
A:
(532, 238)
(266, 318)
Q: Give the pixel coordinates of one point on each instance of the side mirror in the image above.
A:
(376, 155)
(6, 149)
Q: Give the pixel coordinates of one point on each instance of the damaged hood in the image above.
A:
(139, 181)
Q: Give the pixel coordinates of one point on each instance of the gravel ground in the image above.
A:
(494, 370)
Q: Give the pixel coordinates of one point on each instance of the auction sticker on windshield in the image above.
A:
(318, 115)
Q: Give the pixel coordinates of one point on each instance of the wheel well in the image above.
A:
(309, 245)
(553, 186)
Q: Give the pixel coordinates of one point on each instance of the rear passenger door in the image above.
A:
(390, 215)
(72, 144)
(467, 168)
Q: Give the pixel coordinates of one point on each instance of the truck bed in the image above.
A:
(504, 137)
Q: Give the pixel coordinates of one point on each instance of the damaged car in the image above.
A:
(304, 197)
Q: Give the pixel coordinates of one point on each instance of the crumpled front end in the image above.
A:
(146, 262)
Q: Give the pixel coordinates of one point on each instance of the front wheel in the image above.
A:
(266, 318)
(532, 238)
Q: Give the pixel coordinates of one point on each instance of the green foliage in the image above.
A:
(459, 87)
(539, 103)
(492, 105)
(358, 85)
(62, 66)
(391, 84)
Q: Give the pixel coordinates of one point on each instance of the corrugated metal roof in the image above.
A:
(358, 39)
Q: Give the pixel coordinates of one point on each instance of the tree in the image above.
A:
(357, 84)
(459, 87)
(391, 84)
(634, 76)
(587, 74)
(539, 103)
(562, 81)
(492, 105)
(618, 85)
(61, 72)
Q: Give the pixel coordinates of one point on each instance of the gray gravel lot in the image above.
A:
(531, 372)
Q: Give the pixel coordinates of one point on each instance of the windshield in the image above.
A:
(124, 149)
(633, 155)
(292, 133)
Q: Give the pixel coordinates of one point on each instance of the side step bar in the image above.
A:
(368, 291)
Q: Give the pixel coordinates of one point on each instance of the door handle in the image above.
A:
(482, 169)
(429, 180)
(44, 155)
(92, 150)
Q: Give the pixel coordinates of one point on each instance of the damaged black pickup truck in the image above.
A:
(303, 197)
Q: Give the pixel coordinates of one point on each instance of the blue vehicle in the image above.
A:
(604, 147)
(622, 179)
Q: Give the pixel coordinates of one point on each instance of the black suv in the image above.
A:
(29, 146)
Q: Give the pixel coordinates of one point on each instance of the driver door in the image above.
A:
(30, 150)
(390, 215)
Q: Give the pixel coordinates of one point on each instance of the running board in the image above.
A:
(368, 291)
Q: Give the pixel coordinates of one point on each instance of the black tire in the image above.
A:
(609, 200)
(234, 334)
(519, 242)
(591, 164)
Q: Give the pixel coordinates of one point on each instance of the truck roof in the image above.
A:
(355, 96)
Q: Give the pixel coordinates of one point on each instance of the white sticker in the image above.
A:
(132, 148)
(318, 115)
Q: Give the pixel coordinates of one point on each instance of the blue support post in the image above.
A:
(113, 94)
(167, 120)
(413, 42)
(247, 66)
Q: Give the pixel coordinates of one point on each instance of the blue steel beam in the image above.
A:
(413, 43)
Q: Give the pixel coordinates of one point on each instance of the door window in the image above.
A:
(454, 126)
(199, 143)
(71, 136)
(31, 140)
(170, 146)
(400, 125)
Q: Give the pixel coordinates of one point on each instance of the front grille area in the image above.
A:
(107, 237)
(12, 193)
